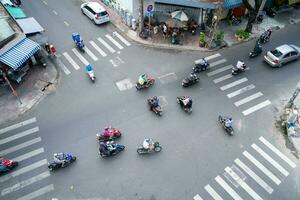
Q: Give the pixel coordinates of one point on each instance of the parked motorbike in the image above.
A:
(7, 165)
(69, 158)
(117, 149)
(200, 65)
(150, 82)
(157, 109)
(191, 80)
(222, 120)
(114, 134)
(186, 108)
(141, 150)
(235, 20)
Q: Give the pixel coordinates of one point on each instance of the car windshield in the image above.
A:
(103, 13)
(276, 53)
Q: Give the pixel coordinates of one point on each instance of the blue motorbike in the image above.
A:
(115, 149)
(68, 159)
(78, 41)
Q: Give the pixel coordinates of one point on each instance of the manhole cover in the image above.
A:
(124, 84)
(167, 78)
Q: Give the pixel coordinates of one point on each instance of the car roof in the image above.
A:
(95, 6)
(285, 48)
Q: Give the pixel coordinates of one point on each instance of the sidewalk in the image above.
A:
(37, 83)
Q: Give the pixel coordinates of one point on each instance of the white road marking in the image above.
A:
(29, 155)
(63, 67)
(219, 70)
(98, 48)
(121, 61)
(114, 41)
(106, 45)
(18, 125)
(121, 38)
(241, 91)
(45, 2)
(90, 54)
(55, 12)
(71, 61)
(20, 146)
(255, 177)
(197, 197)
(19, 135)
(243, 184)
(262, 168)
(223, 78)
(25, 183)
(78, 54)
(235, 83)
(256, 107)
(66, 23)
(23, 170)
(227, 188)
(37, 193)
(247, 99)
(276, 151)
(270, 160)
(212, 192)
(113, 63)
(165, 75)
(217, 62)
(212, 56)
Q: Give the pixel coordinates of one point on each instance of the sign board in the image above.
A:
(149, 8)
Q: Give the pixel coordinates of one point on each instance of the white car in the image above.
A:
(282, 55)
(95, 12)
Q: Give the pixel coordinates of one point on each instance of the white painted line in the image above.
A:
(275, 150)
(262, 168)
(247, 99)
(66, 23)
(227, 188)
(219, 70)
(114, 41)
(165, 75)
(29, 155)
(63, 67)
(20, 146)
(241, 91)
(18, 125)
(90, 54)
(212, 56)
(212, 193)
(223, 78)
(71, 61)
(217, 62)
(25, 183)
(243, 184)
(37, 193)
(121, 38)
(54, 12)
(256, 107)
(23, 170)
(98, 48)
(106, 45)
(19, 135)
(235, 83)
(197, 197)
(78, 54)
(270, 160)
(45, 2)
(255, 177)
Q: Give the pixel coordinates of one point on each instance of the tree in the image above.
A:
(252, 13)
(141, 15)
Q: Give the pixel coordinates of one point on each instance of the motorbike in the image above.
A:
(235, 70)
(253, 53)
(115, 133)
(150, 82)
(222, 120)
(90, 72)
(69, 159)
(235, 20)
(200, 65)
(191, 80)
(118, 149)
(7, 165)
(185, 108)
(78, 41)
(141, 150)
(265, 37)
(157, 110)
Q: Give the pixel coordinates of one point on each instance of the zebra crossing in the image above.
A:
(94, 50)
(246, 173)
(243, 96)
(20, 142)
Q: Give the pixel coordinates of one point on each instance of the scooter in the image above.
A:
(90, 72)
(78, 41)
(265, 37)
(150, 82)
(180, 102)
(157, 110)
(253, 53)
(69, 159)
(7, 165)
(115, 133)
(200, 65)
(235, 70)
(222, 120)
(191, 80)
(118, 149)
(141, 150)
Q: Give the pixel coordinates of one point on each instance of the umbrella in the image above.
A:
(179, 15)
(175, 23)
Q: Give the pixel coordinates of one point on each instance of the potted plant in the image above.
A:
(219, 38)
(242, 35)
(202, 41)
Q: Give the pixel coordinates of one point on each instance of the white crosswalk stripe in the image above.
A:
(20, 146)
(98, 48)
(106, 45)
(19, 135)
(197, 197)
(241, 91)
(121, 38)
(223, 78)
(88, 51)
(227, 188)
(114, 41)
(235, 83)
(276, 151)
(29, 154)
(262, 168)
(248, 99)
(218, 62)
(78, 54)
(212, 192)
(219, 70)
(71, 61)
(18, 125)
(212, 56)
(256, 107)
(63, 66)
(37, 193)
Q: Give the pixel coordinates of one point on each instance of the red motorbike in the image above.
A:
(7, 165)
(109, 134)
(156, 109)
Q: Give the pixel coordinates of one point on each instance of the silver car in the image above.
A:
(95, 12)
(282, 54)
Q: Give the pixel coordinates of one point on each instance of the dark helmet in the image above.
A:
(230, 118)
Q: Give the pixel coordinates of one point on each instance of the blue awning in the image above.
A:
(229, 4)
(188, 3)
(18, 54)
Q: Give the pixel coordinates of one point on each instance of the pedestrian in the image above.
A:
(165, 30)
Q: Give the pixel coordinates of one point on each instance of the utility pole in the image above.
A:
(141, 15)
(292, 99)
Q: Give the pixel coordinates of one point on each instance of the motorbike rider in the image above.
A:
(148, 144)
(228, 122)
(187, 102)
(143, 79)
(59, 158)
(193, 77)
(47, 47)
(107, 132)
(240, 65)
(154, 101)
(257, 47)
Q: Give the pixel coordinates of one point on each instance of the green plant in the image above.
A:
(242, 34)
(202, 38)
(220, 36)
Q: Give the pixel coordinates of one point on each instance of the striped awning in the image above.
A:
(229, 4)
(18, 54)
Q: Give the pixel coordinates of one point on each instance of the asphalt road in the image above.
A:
(195, 148)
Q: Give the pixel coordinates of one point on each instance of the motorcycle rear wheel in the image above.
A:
(157, 148)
